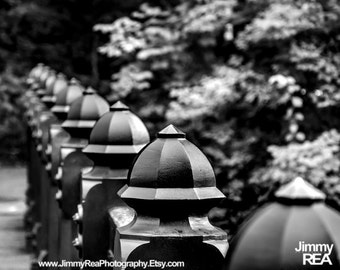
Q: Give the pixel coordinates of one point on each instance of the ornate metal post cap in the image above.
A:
(41, 90)
(35, 69)
(90, 91)
(54, 84)
(83, 114)
(66, 97)
(52, 76)
(171, 173)
(283, 234)
(35, 73)
(118, 132)
(44, 75)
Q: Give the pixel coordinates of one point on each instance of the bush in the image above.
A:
(253, 83)
(12, 126)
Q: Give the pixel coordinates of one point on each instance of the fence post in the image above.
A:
(31, 104)
(82, 116)
(171, 186)
(114, 142)
(56, 136)
(33, 168)
(39, 118)
(44, 120)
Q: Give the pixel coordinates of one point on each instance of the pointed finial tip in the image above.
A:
(171, 132)
(89, 91)
(73, 81)
(299, 180)
(299, 189)
(119, 106)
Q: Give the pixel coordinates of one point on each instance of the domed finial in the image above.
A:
(119, 106)
(299, 189)
(61, 75)
(171, 132)
(89, 91)
(74, 81)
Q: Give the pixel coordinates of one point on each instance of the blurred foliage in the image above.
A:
(57, 33)
(12, 131)
(253, 83)
(318, 161)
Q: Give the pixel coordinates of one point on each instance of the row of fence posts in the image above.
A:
(99, 190)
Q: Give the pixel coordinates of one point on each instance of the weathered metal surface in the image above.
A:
(66, 97)
(114, 142)
(45, 120)
(30, 101)
(35, 168)
(273, 237)
(54, 85)
(46, 70)
(82, 116)
(171, 186)
(58, 136)
(37, 116)
(42, 200)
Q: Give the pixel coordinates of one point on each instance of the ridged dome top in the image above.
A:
(36, 71)
(59, 85)
(119, 131)
(52, 77)
(66, 97)
(275, 235)
(41, 81)
(84, 112)
(171, 169)
(54, 85)
(44, 75)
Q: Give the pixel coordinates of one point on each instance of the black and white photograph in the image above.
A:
(177, 135)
